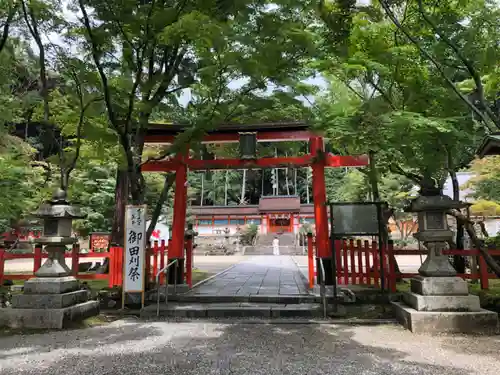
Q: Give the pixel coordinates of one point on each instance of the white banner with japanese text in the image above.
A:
(135, 249)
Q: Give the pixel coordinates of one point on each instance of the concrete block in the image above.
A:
(48, 318)
(476, 322)
(442, 303)
(51, 285)
(48, 301)
(439, 286)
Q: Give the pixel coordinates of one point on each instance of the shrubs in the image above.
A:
(248, 234)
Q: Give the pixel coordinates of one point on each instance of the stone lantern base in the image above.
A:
(443, 304)
(49, 302)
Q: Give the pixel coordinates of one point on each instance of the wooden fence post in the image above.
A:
(75, 252)
(189, 261)
(376, 262)
(112, 267)
(483, 273)
(155, 260)
(392, 267)
(310, 260)
(2, 265)
(37, 258)
(368, 276)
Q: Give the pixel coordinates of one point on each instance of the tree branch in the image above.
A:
(377, 88)
(468, 224)
(6, 26)
(434, 62)
(31, 22)
(468, 64)
(102, 74)
(394, 168)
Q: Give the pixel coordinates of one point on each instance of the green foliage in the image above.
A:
(486, 182)
(248, 234)
(20, 184)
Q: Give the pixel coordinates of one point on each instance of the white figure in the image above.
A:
(276, 246)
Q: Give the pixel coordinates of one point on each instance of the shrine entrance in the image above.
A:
(280, 225)
(247, 136)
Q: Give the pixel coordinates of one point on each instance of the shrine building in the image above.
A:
(273, 214)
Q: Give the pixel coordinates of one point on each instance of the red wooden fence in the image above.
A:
(115, 255)
(358, 263)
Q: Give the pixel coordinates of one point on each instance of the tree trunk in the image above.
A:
(243, 186)
(169, 181)
(121, 199)
(373, 177)
(458, 260)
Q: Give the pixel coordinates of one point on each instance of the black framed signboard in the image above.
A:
(358, 218)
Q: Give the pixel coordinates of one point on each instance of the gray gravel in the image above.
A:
(129, 347)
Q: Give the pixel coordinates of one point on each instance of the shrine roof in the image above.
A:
(174, 129)
(490, 145)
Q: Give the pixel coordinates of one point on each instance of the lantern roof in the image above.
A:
(59, 207)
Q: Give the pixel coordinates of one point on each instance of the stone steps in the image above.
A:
(252, 298)
(234, 309)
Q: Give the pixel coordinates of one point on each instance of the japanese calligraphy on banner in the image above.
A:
(135, 243)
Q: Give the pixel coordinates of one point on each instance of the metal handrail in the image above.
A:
(164, 270)
(322, 290)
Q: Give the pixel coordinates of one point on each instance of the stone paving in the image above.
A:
(259, 275)
(238, 348)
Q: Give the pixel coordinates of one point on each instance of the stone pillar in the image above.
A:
(439, 300)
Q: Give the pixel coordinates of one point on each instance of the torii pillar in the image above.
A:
(317, 149)
(176, 248)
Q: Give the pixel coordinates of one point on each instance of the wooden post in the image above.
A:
(155, 259)
(37, 258)
(189, 261)
(75, 251)
(310, 259)
(368, 276)
(376, 262)
(119, 252)
(359, 254)
(483, 273)
(352, 266)
(112, 267)
(164, 251)
(338, 257)
(346, 262)
(149, 252)
(2, 265)
(392, 267)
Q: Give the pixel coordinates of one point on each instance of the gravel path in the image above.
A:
(130, 347)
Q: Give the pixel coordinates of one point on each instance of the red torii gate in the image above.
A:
(231, 133)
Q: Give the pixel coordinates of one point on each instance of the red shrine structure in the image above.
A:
(248, 136)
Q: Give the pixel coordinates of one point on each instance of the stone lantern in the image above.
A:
(248, 146)
(53, 298)
(439, 301)
(434, 233)
(58, 216)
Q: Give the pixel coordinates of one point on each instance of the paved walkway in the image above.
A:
(264, 275)
(200, 348)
